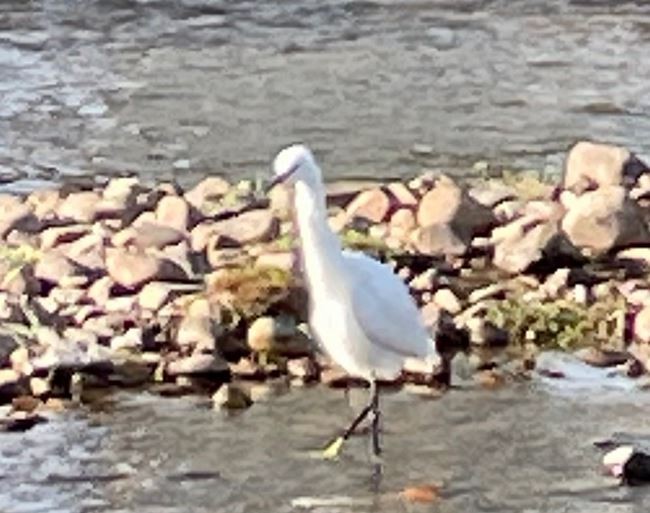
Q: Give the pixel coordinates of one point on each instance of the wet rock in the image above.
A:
(15, 214)
(232, 397)
(601, 357)
(79, 207)
(20, 422)
(173, 212)
(277, 336)
(52, 237)
(199, 364)
(591, 165)
(133, 269)
(605, 219)
(303, 368)
(247, 228)
(206, 193)
(372, 205)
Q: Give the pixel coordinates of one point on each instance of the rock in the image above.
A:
(122, 189)
(52, 267)
(44, 202)
(199, 364)
(39, 387)
(447, 300)
(51, 237)
(88, 252)
(100, 290)
(11, 385)
(430, 314)
(304, 368)
(8, 344)
(423, 494)
(207, 192)
(605, 219)
(247, 228)
(401, 195)
(281, 199)
(277, 336)
(282, 260)
(334, 376)
(147, 235)
(79, 207)
(449, 205)
(21, 422)
(600, 357)
(173, 212)
(201, 234)
(129, 341)
(15, 214)
(25, 403)
(199, 332)
(154, 295)
(134, 269)
(402, 223)
(591, 165)
(248, 369)
(642, 325)
(372, 205)
(556, 283)
(483, 333)
(438, 239)
(492, 193)
(232, 397)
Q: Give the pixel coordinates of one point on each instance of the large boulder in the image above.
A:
(447, 213)
(134, 269)
(591, 165)
(372, 205)
(207, 192)
(605, 219)
(247, 228)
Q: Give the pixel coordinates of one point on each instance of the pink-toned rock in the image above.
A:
(100, 290)
(447, 204)
(147, 235)
(438, 239)
(247, 228)
(492, 193)
(15, 213)
(402, 223)
(430, 315)
(605, 219)
(52, 267)
(51, 237)
(80, 207)
(591, 165)
(134, 269)
(523, 244)
(401, 195)
(372, 204)
(44, 203)
(173, 212)
(447, 300)
(642, 325)
(209, 190)
(87, 252)
(198, 364)
(201, 235)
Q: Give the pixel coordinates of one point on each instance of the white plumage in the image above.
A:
(360, 311)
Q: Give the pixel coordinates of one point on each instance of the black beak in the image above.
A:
(281, 178)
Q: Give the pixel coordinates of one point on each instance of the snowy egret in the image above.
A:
(361, 313)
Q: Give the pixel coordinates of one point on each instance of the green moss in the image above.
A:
(360, 241)
(559, 324)
(249, 291)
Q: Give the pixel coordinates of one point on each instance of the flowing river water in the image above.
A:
(521, 448)
(179, 88)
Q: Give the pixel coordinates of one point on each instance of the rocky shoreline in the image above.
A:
(122, 285)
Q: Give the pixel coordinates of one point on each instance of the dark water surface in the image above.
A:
(183, 87)
(521, 448)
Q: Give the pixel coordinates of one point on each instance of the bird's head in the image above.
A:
(293, 164)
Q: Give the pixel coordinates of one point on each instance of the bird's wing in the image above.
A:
(384, 308)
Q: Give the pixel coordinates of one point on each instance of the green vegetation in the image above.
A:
(560, 324)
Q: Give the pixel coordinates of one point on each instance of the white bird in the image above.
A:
(361, 313)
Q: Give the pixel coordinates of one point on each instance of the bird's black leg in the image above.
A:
(333, 448)
(374, 406)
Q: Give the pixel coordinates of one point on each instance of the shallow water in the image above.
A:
(520, 448)
(182, 87)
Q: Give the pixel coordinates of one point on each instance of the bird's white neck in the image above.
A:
(321, 248)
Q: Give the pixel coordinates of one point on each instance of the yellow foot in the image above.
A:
(333, 449)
